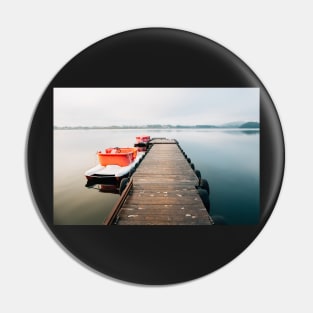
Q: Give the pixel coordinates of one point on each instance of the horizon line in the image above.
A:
(161, 126)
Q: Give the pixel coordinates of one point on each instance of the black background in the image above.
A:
(154, 58)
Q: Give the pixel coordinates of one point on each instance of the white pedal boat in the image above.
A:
(114, 165)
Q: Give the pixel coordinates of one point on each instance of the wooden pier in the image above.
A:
(162, 191)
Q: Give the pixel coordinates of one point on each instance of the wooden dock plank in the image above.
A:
(164, 190)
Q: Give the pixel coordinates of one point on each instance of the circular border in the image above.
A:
(140, 58)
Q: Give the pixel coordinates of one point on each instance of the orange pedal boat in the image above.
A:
(117, 156)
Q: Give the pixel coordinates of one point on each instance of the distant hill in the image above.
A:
(168, 126)
(232, 124)
(250, 125)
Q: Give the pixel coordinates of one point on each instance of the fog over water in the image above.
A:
(142, 106)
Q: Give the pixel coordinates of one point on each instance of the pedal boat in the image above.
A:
(142, 142)
(114, 165)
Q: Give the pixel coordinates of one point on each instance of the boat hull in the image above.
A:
(110, 174)
(142, 143)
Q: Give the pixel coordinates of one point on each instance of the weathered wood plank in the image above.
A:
(147, 187)
(157, 208)
(166, 219)
(140, 200)
(178, 211)
(164, 190)
(163, 141)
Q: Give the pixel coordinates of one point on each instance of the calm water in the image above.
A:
(228, 159)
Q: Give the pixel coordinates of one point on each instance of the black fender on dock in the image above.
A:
(205, 198)
(123, 184)
(198, 173)
(131, 172)
(203, 184)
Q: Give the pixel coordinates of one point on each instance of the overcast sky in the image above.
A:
(141, 106)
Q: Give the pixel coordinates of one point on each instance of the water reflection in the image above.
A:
(105, 188)
(250, 132)
(228, 159)
(243, 131)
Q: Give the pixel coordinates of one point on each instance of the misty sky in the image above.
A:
(142, 106)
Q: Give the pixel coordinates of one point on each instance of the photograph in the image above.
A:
(156, 156)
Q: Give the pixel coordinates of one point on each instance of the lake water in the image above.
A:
(228, 159)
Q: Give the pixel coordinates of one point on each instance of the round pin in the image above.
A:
(155, 156)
